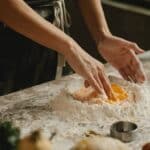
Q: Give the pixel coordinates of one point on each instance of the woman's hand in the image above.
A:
(122, 55)
(89, 68)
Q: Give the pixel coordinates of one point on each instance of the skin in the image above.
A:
(113, 49)
(20, 17)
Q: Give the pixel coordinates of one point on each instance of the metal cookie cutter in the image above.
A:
(124, 130)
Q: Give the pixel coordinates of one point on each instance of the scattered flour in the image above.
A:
(99, 117)
(67, 108)
(71, 119)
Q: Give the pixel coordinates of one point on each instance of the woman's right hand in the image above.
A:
(89, 68)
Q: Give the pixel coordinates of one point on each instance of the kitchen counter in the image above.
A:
(29, 108)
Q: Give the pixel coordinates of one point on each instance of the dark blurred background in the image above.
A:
(129, 19)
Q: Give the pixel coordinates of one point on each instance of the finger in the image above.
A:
(107, 86)
(98, 79)
(130, 74)
(140, 75)
(132, 70)
(138, 70)
(123, 73)
(86, 83)
(136, 48)
(95, 85)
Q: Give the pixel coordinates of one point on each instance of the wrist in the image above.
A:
(71, 48)
(102, 35)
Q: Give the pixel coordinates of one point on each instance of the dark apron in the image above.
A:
(25, 63)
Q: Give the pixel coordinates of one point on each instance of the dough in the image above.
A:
(35, 141)
(100, 143)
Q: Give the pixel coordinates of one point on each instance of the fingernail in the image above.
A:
(104, 94)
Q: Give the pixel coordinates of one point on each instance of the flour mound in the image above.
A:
(67, 108)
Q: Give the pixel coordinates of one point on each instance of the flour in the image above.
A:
(55, 110)
(81, 117)
(67, 108)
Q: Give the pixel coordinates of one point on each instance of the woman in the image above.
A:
(120, 53)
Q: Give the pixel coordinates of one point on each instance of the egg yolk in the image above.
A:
(90, 95)
(119, 93)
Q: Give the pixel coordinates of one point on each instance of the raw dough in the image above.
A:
(100, 143)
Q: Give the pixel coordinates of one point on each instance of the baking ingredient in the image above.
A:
(35, 141)
(71, 119)
(100, 143)
(91, 96)
(119, 92)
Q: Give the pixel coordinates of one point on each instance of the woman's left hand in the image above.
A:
(122, 55)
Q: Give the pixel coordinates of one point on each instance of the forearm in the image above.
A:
(93, 14)
(19, 16)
